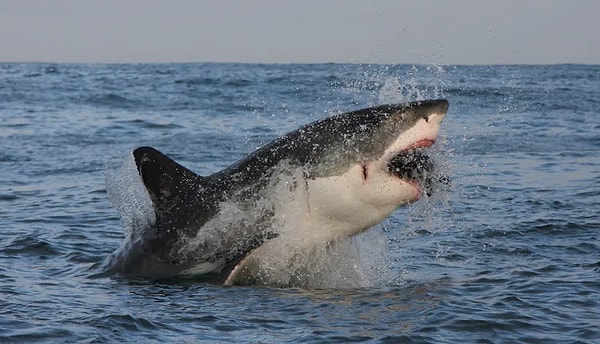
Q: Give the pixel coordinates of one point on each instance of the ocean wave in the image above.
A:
(29, 245)
(112, 100)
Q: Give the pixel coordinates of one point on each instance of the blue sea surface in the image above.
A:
(509, 253)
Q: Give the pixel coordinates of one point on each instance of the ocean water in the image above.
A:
(508, 253)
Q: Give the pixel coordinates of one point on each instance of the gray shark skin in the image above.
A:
(334, 178)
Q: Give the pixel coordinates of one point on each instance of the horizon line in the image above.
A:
(300, 63)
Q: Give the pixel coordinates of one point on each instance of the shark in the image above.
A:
(327, 181)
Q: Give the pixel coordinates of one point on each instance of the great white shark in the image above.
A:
(328, 180)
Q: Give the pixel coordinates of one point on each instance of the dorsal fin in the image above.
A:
(164, 179)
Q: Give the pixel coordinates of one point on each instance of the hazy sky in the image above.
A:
(379, 31)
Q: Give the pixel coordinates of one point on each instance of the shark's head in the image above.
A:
(362, 165)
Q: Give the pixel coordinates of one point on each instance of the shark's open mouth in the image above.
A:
(417, 167)
(412, 165)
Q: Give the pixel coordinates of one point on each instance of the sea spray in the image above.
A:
(129, 196)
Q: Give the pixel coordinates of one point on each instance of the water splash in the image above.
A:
(416, 84)
(395, 84)
(129, 196)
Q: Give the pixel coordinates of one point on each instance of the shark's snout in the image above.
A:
(434, 110)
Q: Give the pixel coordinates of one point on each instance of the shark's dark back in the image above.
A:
(330, 141)
(308, 146)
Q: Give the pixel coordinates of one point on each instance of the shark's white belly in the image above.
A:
(322, 211)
